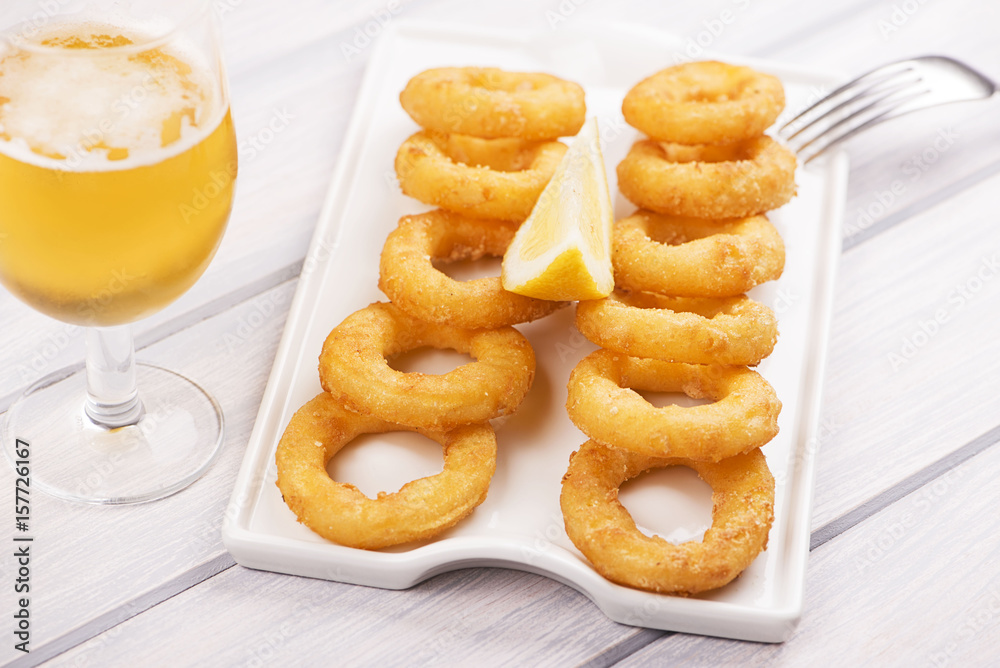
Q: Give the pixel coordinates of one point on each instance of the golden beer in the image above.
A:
(116, 174)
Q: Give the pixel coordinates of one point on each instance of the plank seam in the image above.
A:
(625, 648)
(903, 488)
(134, 607)
(640, 640)
(921, 205)
(191, 318)
(219, 305)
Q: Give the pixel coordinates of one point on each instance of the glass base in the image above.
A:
(174, 442)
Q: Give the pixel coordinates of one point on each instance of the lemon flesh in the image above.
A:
(562, 251)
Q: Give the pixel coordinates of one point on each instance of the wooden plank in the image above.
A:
(847, 365)
(286, 182)
(897, 165)
(478, 614)
(91, 560)
(917, 584)
(909, 351)
(469, 617)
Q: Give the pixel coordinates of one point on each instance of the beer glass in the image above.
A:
(117, 172)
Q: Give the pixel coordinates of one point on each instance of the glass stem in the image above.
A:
(112, 397)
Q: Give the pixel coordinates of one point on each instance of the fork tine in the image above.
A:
(880, 75)
(865, 94)
(833, 140)
(883, 100)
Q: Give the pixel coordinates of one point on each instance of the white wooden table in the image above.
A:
(905, 562)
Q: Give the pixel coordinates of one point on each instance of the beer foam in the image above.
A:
(96, 109)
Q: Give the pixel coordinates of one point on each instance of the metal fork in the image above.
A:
(880, 95)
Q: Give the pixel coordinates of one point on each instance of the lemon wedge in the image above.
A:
(562, 251)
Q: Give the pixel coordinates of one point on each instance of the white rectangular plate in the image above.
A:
(520, 524)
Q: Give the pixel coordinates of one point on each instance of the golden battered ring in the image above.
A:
(704, 181)
(407, 274)
(604, 531)
(603, 404)
(704, 103)
(692, 257)
(490, 103)
(353, 368)
(501, 180)
(341, 513)
(730, 330)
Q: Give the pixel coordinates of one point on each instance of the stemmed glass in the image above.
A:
(117, 173)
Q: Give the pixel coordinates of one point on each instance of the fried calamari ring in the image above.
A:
(353, 368)
(501, 181)
(409, 278)
(732, 330)
(341, 513)
(491, 103)
(692, 257)
(604, 405)
(706, 181)
(502, 155)
(604, 531)
(704, 103)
